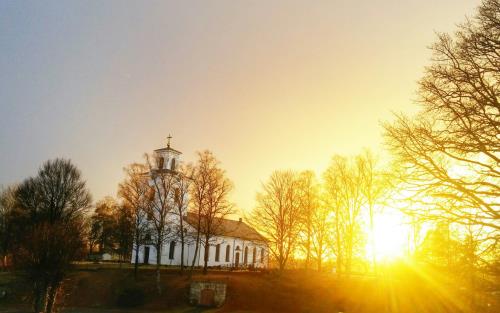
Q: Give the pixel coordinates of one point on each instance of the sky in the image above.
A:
(265, 85)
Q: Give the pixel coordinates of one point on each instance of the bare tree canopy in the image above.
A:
(162, 183)
(344, 195)
(451, 150)
(135, 194)
(278, 215)
(50, 209)
(7, 228)
(308, 189)
(181, 200)
(210, 189)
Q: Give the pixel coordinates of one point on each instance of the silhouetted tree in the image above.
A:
(104, 223)
(451, 150)
(278, 215)
(51, 206)
(123, 233)
(7, 228)
(448, 155)
(135, 194)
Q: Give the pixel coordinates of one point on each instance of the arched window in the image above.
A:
(228, 251)
(254, 255)
(171, 251)
(172, 165)
(262, 255)
(245, 256)
(160, 162)
(217, 252)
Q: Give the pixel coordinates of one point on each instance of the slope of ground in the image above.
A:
(97, 288)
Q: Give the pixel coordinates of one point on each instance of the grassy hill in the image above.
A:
(98, 288)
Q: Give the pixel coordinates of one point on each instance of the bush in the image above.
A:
(130, 296)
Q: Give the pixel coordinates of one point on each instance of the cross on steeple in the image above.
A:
(168, 140)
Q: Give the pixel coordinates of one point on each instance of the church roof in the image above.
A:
(168, 148)
(229, 228)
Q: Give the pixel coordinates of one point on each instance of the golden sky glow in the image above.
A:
(263, 85)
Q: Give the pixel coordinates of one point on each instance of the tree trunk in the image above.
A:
(374, 250)
(158, 262)
(207, 251)
(52, 296)
(40, 293)
(182, 251)
(136, 264)
(182, 244)
(197, 246)
(308, 246)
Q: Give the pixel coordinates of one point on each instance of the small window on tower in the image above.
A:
(172, 165)
(160, 162)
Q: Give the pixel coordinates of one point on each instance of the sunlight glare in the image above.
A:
(391, 234)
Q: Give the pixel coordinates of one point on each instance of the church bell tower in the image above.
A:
(167, 158)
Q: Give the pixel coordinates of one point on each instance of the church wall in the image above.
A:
(234, 254)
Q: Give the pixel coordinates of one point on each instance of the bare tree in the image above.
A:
(51, 208)
(104, 223)
(308, 190)
(162, 182)
(278, 215)
(374, 186)
(217, 206)
(123, 233)
(209, 200)
(321, 233)
(451, 150)
(135, 193)
(198, 193)
(7, 231)
(182, 187)
(343, 182)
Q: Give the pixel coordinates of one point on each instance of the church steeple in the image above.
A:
(167, 157)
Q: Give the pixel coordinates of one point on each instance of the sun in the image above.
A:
(390, 235)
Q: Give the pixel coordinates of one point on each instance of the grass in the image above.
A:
(92, 288)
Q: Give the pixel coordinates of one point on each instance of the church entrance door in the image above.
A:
(237, 259)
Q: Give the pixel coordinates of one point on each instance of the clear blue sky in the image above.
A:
(264, 84)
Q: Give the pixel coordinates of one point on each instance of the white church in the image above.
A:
(237, 246)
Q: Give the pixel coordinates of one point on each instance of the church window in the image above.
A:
(245, 256)
(172, 165)
(171, 252)
(160, 162)
(217, 252)
(262, 255)
(254, 255)
(228, 251)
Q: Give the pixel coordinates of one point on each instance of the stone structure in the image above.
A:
(207, 293)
